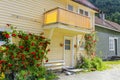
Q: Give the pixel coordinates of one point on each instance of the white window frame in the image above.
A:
(83, 12)
(2, 29)
(81, 48)
(111, 44)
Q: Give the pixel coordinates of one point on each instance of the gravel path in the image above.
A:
(110, 74)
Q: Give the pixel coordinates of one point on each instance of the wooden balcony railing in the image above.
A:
(66, 17)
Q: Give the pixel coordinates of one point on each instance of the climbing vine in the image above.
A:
(90, 44)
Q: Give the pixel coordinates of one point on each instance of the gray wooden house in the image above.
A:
(108, 34)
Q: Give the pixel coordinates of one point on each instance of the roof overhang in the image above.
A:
(87, 4)
(106, 27)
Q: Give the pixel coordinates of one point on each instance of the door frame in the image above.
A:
(116, 38)
(72, 50)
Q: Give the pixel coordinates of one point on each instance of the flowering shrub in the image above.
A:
(90, 44)
(28, 54)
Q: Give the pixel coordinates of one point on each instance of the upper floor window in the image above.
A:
(86, 13)
(70, 7)
(82, 12)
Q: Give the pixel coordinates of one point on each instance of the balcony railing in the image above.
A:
(66, 17)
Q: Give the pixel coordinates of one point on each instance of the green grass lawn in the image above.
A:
(112, 62)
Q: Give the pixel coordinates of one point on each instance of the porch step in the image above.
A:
(54, 65)
(73, 70)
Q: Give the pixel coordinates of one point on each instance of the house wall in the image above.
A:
(103, 42)
(27, 15)
(57, 51)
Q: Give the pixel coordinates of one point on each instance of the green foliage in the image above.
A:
(39, 74)
(92, 64)
(111, 8)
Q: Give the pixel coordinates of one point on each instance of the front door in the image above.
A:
(68, 47)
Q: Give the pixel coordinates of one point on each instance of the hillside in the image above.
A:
(110, 7)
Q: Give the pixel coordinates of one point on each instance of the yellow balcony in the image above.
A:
(59, 15)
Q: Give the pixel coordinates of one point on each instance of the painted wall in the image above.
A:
(26, 14)
(103, 42)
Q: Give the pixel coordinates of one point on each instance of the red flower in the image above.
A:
(2, 61)
(42, 52)
(26, 37)
(32, 44)
(46, 61)
(33, 53)
(22, 55)
(38, 65)
(41, 44)
(48, 50)
(7, 35)
(8, 24)
(14, 35)
(7, 47)
(94, 41)
(42, 37)
(27, 49)
(12, 57)
(9, 65)
(34, 57)
(20, 36)
(22, 62)
(21, 47)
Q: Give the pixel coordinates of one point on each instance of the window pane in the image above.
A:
(80, 11)
(111, 44)
(67, 47)
(67, 41)
(1, 36)
(86, 13)
(70, 7)
(67, 44)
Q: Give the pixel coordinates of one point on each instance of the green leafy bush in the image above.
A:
(24, 60)
(92, 64)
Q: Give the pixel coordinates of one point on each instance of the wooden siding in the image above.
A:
(26, 14)
(67, 17)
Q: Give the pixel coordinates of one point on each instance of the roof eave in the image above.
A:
(95, 9)
(106, 27)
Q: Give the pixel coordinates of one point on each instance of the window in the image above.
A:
(70, 7)
(67, 44)
(111, 44)
(86, 13)
(81, 11)
(2, 38)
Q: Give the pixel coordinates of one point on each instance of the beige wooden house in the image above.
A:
(65, 22)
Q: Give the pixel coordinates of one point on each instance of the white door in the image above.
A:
(68, 47)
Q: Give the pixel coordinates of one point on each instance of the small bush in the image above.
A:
(92, 64)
